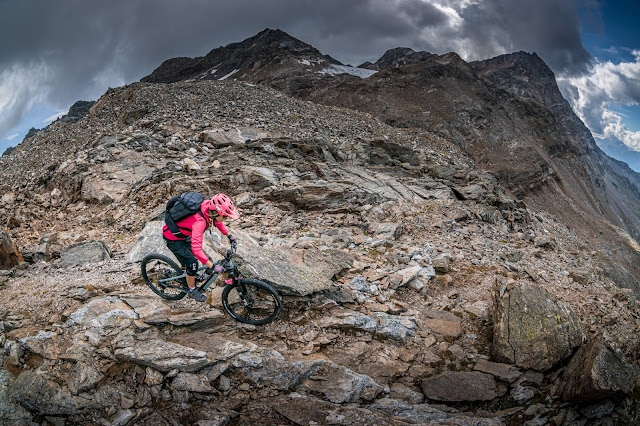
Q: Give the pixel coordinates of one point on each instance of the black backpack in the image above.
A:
(180, 207)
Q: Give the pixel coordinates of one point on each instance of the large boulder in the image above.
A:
(291, 271)
(9, 254)
(596, 372)
(340, 385)
(532, 329)
(83, 253)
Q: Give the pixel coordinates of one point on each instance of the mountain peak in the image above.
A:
(397, 57)
(245, 58)
(277, 37)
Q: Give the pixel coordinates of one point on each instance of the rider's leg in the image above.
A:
(191, 281)
(183, 253)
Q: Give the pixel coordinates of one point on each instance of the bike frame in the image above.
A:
(229, 267)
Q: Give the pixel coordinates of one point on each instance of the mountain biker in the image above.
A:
(214, 211)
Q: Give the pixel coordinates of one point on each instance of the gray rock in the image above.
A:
(292, 271)
(269, 368)
(441, 264)
(409, 274)
(545, 242)
(597, 371)
(428, 414)
(460, 386)
(360, 284)
(405, 393)
(346, 319)
(164, 356)
(191, 383)
(153, 377)
(340, 385)
(122, 417)
(105, 312)
(306, 410)
(11, 413)
(522, 394)
(470, 192)
(538, 421)
(505, 372)
(598, 410)
(532, 329)
(84, 253)
(393, 326)
(84, 377)
(46, 397)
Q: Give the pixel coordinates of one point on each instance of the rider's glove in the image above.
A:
(218, 269)
(232, 238)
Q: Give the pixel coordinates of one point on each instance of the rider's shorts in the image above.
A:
(183, 253)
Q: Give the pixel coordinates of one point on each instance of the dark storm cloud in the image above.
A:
(56, 52)
(549, 27)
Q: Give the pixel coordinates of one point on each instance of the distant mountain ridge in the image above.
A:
(507, 113)
(397, 57)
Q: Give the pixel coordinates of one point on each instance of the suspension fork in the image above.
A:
(236, 280)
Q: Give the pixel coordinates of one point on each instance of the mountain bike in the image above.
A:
(247, 300)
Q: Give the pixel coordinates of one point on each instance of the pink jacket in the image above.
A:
(195, 225)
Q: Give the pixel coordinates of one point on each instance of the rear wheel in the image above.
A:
(252, 302)
(157, 271)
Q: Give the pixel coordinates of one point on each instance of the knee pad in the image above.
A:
(192, 268)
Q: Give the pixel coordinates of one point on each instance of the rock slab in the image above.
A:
(164, 356)
(83, 253)
(453, 386)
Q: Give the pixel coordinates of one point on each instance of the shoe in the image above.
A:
(197, 295)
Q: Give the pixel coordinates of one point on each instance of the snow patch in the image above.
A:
(344, 69)
(229, 75)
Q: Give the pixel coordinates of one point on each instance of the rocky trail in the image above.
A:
(416, 290)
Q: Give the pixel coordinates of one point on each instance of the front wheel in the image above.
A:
(161, 275)
(251, 301)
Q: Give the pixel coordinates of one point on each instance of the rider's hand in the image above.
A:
(218, 269)
(232, 238)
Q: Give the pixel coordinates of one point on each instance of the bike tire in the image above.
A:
(156, 266)
(265, 303)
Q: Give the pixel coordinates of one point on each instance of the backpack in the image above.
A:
(180, 207)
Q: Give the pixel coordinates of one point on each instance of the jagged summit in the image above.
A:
(268, 53)
(397, 57)
(523, 74)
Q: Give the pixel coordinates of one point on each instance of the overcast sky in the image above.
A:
(53, 53)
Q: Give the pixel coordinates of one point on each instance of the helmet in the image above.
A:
(223, 206)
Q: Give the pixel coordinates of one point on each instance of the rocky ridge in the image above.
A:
(432, 242)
